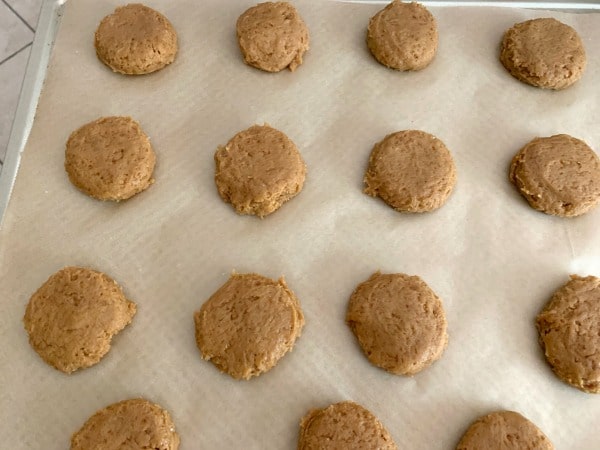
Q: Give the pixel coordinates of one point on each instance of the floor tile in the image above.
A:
(14, 34)
(29, 10)
(11, 78)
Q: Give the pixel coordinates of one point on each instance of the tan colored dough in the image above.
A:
(110, 159)
(248, 325)
(72, 318)
(543, 53)
(399, 322)
(343, 426)
(569, 332)
(403, 36)
(272, 36)
(558, 175)
(412, 171)
(504, 430)
(136, 40)
(259, 170)
(134, 424)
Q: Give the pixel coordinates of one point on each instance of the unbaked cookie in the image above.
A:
(403, 36)
(569, 329)
(259, 170)
(343, 426)
(248, 324)
(399, 322)
(135, 40)
(272, 36)
(110, 158)
(129, 424)
(544, 53)
(504, 430)
(72, 318)
(412, 171)
(558, 175)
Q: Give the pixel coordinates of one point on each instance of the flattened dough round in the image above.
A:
(128, 424)
(504, 430)
(248, 325)
(544, 53)
(558, 175)
(343, 426)
(403, 36)
(135, 40)
(399, 322)
(412, 171)
(72, 318)
(569, 331)
(272, 36)
(259, 170)
(110, 159)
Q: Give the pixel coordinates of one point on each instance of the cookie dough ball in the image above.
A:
(399, 322)
(135, 40)
(403, 36)
(110, 159)
(272, 36)
(558, 175)
(412, 171)
(344, 425)
(504, 430)
(248, 325)
(544, 53)
(72, 318)
(259, 170)
(569, 329)
(129, 424)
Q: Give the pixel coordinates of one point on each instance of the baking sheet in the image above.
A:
(492, 259)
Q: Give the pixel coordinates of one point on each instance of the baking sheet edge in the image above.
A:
(31, 89)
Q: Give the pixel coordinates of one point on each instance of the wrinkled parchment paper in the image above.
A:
(492, 259)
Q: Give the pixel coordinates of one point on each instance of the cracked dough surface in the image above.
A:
(403, 36)
(134, 424)
(72, 318)
(412, 171)
(399, 322)
(110, 159)
(135, 40)
(558, 175)
(248, 325)
(343, 426)
(504, 430)
(569, 332)
(259, 170)
(544, 53)
(272, 36)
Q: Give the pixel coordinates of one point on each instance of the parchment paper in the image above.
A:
(492, 259)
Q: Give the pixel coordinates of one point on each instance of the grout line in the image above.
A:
(19, 16)
(2, 62)
(15, 53)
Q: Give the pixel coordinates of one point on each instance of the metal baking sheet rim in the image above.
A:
(49, 22)
(31, 89)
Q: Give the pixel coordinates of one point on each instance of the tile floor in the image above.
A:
(18, 21)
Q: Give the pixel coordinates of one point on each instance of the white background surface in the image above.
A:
(18, 22)
(492, 259)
